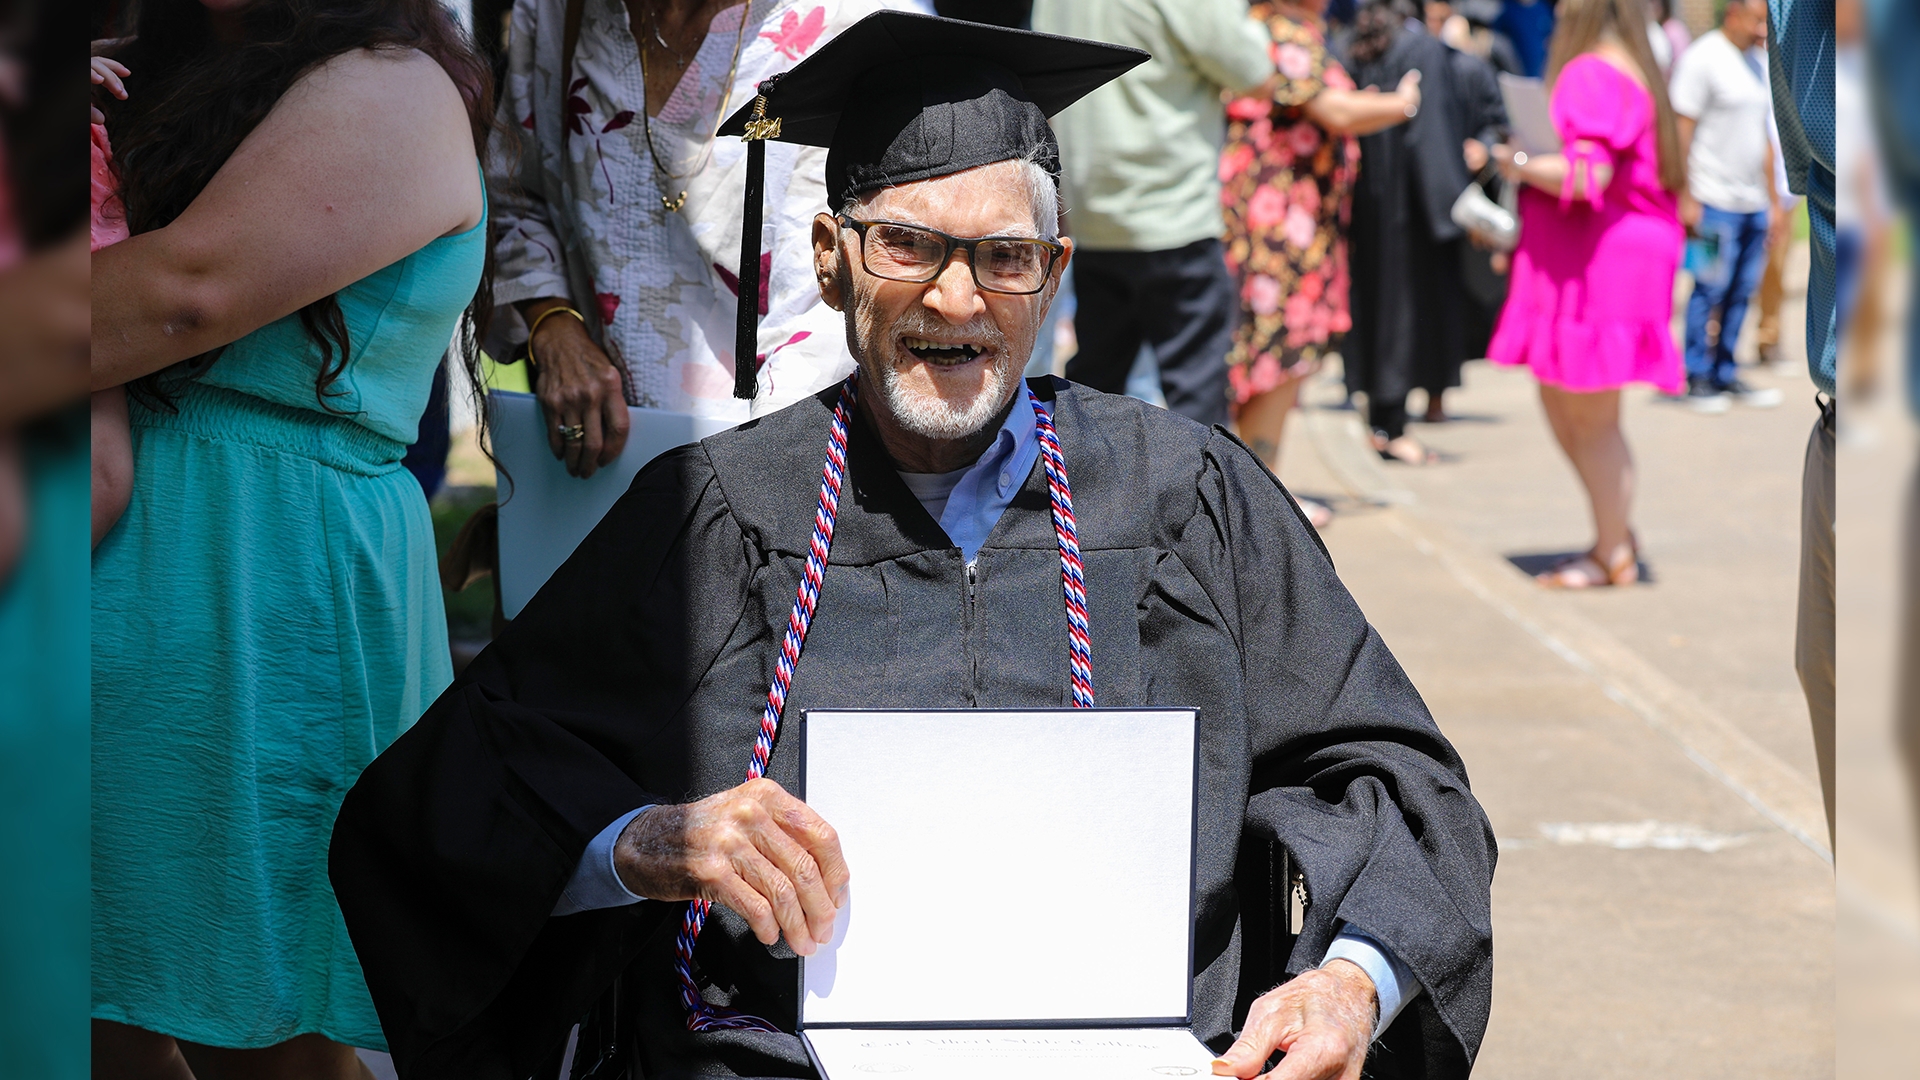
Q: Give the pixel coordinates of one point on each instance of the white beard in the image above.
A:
(933, 417)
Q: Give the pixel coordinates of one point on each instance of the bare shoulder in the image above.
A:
(373, 123)
(380, 86)
(1615, 56)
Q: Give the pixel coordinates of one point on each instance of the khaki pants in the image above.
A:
(1813, 652)
(1773, 290)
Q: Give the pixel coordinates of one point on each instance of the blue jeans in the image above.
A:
(1725, 281)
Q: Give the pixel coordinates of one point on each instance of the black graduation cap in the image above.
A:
(900, 97)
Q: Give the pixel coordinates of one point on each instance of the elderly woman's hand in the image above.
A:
(579, 392)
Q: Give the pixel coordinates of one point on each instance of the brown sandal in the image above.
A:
(1624, 572)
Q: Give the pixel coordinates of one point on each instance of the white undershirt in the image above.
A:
(933, 489)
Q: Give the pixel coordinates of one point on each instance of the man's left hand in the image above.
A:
(1323, 1020)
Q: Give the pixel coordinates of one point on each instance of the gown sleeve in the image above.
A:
(1349, 771)
(1432, 149)
(453, 847)
(1598, 119)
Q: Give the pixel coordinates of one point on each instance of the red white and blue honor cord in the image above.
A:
(702, 1016)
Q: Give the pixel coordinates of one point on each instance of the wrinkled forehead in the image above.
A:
(987, 200)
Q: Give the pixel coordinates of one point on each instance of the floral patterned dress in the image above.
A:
(1287, 192)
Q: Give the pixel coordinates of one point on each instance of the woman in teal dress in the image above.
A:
(302, 181)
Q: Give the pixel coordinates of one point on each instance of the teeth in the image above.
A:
(923, 345)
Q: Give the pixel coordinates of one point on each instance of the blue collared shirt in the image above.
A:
(968, 503)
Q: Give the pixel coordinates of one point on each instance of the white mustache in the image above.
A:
(979, 331)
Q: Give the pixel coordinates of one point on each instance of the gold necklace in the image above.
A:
(674, 203)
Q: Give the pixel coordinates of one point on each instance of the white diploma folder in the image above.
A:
(1529, 114)
(544, 511)
(1021, 903)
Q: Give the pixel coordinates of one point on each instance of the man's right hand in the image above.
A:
(576, 384)
(754, 848)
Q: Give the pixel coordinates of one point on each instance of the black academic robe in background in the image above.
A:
(638, 673)
(1480, 113)
(1403, 246)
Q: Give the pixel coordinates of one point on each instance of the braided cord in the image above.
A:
(702, 1016)
(1073, 576)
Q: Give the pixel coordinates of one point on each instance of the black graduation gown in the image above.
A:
(1480, 113)
(638, 673)
(1403, 245)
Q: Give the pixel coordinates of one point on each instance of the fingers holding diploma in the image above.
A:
(755, 849)
(1322, 1019)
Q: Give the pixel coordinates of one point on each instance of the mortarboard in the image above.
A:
(900, 97)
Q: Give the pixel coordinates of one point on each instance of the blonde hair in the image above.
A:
(1581, 25)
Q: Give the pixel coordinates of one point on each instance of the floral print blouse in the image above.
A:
(580, 214)
(1287, 190)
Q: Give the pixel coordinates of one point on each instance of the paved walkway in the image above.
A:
(1664, 900)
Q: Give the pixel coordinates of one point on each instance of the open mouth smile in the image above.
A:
(943, 353)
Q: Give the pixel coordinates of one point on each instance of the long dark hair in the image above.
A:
(199, 96)
(1580, 26)
(1376, 26)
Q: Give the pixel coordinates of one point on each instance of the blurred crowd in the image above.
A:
(315, 223)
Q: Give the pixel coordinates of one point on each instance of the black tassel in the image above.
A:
(746, 337)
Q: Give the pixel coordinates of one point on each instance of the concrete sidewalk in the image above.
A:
(1664, 900)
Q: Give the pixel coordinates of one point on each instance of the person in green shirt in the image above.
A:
(1140, 163)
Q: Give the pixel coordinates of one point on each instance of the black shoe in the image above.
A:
(1753, 397)
(1704, 397)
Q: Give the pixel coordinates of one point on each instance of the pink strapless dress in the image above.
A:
(1590, 303)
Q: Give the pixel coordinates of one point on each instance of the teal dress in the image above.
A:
(266, 619)
(43, 765)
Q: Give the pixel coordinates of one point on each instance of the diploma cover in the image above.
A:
(960, 828)
(546, 511)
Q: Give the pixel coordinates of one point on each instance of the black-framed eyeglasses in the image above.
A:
(1017, 265)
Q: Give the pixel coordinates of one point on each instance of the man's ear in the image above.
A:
(1059, 268)
(826, 260)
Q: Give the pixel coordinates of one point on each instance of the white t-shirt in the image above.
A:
(1725, 92)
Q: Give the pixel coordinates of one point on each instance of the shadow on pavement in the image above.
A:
(1534, 565)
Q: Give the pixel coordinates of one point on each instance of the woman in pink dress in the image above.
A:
(1600, 238)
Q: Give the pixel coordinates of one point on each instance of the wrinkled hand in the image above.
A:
(1323, 1020)
(577, 384)
(108, 73)
(754, 848)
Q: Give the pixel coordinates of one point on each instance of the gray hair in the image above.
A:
(1042, 190)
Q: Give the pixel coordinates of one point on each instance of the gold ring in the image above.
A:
(573, 432)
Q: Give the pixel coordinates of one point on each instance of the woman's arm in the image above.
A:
(1548, 172)
(362, 162)
(1363, 112)
(112, 460)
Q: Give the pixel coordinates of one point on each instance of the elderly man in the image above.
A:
(542, 829)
